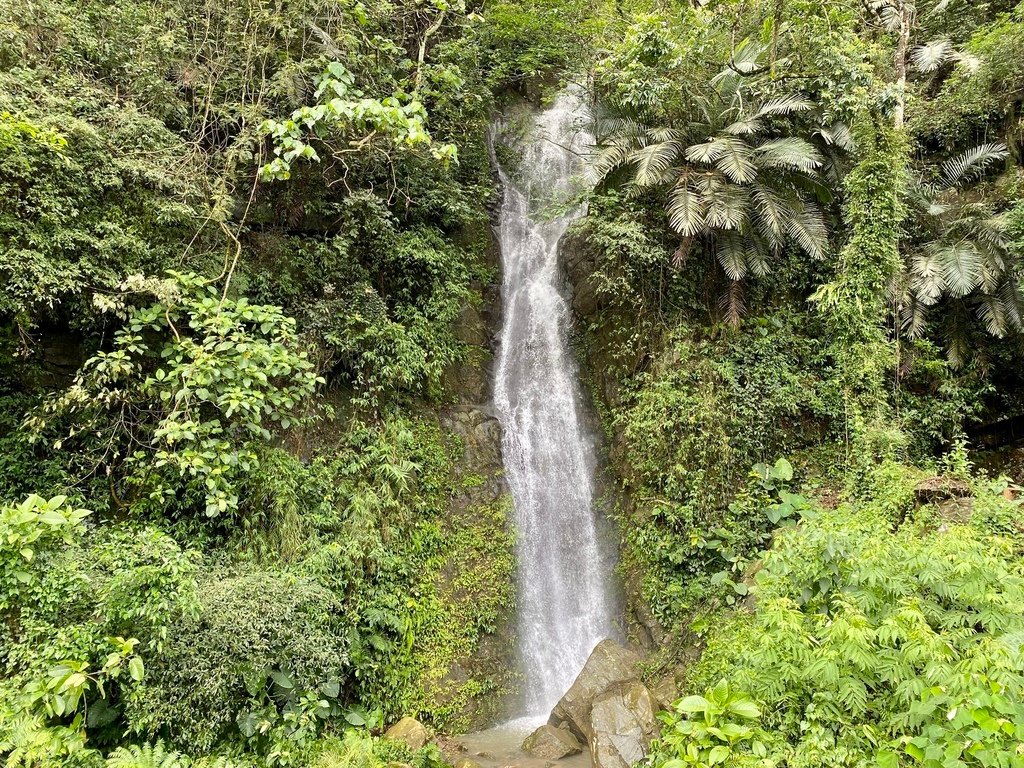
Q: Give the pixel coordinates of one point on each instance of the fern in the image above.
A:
(146, 756)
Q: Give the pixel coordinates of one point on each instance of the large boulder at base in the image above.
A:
(551, 743)
(609, 663)
(622, 725)
(409, 731)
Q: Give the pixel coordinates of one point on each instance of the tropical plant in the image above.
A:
(962, 255)
(193, 383)
(709, 730)
(155, 755)
(743, 178)
(28, 531)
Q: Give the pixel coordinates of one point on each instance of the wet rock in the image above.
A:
(551, 743)
(665, 693)
(410, 732)
(939, 488)
(609, 663)
(467, 762)
(622, 725)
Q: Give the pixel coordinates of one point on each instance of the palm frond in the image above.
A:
(745, 127)
(930, 56)
(972, 163)
(727, 206)
(783, 105)
(653, 161)
(732, 304)
(771, 212)
(790, 152)
(807, 228)
(961, 267)
(731, 252)
(926, 276)
(686, 210)
(838, 135)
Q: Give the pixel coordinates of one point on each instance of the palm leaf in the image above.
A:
(686, 210)
(930, 56)
(807, 228)
(771, 212)
(838, 135)
(653, 161)
(961, 267)
(731, 252)
(927, 281)
(790, 152)
(783, 105)
(727, 206)
(972, 163)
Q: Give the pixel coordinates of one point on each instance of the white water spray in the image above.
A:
(564, 576)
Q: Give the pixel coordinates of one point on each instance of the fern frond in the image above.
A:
(146, 756)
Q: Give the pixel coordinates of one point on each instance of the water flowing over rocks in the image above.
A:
(566, 602)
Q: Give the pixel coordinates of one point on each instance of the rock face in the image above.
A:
(551, 743)
(609, 663)
(409, 731)
(622, 725)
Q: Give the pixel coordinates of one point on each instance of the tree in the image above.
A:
(743, 180)
(962, 253)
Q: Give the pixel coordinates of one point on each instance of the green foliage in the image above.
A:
(743, 181)
(360, 120)
(719, 727)
(193, 382)
(253, 663)
(885, 640)
(29, 532)
(692, 430)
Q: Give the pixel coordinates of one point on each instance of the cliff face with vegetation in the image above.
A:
(252, 507)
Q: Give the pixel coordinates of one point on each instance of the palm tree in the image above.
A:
(743, 178)
(961, 254)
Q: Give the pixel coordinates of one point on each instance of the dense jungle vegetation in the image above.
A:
(245, 274)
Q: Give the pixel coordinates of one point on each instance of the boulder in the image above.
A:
(622, 725)
(609, 663)
(410, 732)
(551, 743)
(467, 762)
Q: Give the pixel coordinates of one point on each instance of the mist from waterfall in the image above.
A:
(565, 594)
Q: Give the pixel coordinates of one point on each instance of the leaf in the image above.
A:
(718, 755)
(783, 470)
(745, 708)
(282, 680)
(136, 668)
(692, 704)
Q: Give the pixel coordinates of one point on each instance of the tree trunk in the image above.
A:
(907, 13)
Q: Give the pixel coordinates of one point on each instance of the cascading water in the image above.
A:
(564, 573)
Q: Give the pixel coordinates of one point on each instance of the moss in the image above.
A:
(472, 591)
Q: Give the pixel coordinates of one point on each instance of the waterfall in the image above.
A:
(564, 573)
